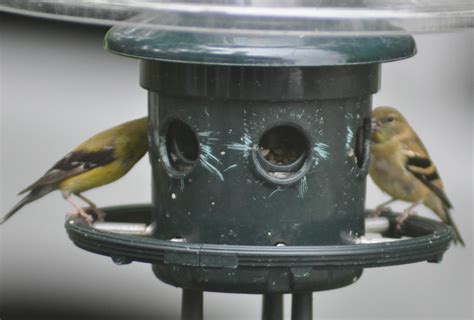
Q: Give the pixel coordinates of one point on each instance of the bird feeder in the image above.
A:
(259, 147)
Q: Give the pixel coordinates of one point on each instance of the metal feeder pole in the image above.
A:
(191, 305)
(272, 307)
(302, 306)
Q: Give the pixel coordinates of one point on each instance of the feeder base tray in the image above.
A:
(266, 270)
(260, 269)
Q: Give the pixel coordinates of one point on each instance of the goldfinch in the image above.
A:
(100, 160)
(401, 167)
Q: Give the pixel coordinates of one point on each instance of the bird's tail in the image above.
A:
(457, 234)
(35, 194)
(435, 204)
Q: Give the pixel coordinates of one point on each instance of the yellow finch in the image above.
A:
(100, 160)
(401, 166)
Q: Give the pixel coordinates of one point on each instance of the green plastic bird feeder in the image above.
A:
(259, 145)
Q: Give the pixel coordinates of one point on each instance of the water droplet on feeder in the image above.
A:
(269, 233)
(222, 153)
(177, 239)
(355, 279)
(189, 213)
(173, 196)
(213, 203)
(280, 244)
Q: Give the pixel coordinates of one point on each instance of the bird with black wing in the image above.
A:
(401, 166)
(100, 160)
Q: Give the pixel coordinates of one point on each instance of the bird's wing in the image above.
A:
(418, 162)
(73, 164)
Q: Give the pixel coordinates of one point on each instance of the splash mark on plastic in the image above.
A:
(353, 171)
(300, 115)
(206, 112)
(278, 189)
(320, 152)
(206, 137)
(205, 134)
(349, 137)
(156, 138)
(321, 121)
(229, 167)
(181, 185)
(349, 132)
(302, 187)
(245, 145)
(206, 158)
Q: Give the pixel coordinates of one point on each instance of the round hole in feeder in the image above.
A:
(182, 147)
(361, 137)
(282, 153)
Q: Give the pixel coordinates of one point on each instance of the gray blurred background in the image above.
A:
(58, 87)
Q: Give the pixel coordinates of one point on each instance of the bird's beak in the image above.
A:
(375, 125)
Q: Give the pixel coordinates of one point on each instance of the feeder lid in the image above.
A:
(260, 32)
(255, 49)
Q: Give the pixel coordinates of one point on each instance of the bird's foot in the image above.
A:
(403, 217)
(378, 211)
(70, 214)
(81, 213)
(100, 214)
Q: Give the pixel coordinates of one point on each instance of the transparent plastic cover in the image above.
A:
(258, 17)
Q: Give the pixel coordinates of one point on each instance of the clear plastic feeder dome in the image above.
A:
(270, 17)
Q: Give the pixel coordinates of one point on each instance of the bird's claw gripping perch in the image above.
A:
(100, 214)
(405, 215)
(86, 217)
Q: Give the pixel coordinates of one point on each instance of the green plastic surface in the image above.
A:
(235, 49)
(260, 269)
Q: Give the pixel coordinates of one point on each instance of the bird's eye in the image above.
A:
(390, 119)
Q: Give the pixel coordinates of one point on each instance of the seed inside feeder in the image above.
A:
(283, 149)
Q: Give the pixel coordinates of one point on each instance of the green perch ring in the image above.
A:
(428, 240)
